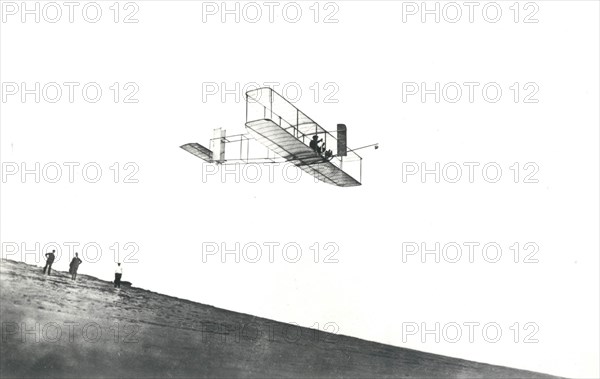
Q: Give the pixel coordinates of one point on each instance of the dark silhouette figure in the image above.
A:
(49, 260)
(74, 266)
(314, 144)
(118, 275)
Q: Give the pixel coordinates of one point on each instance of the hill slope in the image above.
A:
(54, 327)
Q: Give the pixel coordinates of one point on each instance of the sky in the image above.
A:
(360, 261)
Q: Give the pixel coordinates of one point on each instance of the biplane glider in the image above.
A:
(288, 136)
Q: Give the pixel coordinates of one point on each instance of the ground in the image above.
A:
(54, 327)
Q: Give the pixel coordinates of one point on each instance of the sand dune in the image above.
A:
(53, 327)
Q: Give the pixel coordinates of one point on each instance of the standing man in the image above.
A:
(118, 274)
(74, 266)
(49, 260)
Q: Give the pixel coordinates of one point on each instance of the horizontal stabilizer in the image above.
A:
(199, 151)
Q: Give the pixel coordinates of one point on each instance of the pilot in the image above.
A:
(314, 143)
